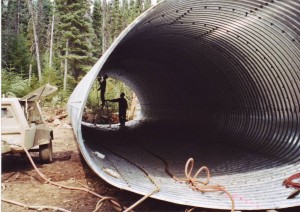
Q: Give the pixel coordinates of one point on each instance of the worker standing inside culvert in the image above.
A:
(122, 108)
(102, 89)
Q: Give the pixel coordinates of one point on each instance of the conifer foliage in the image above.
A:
(58, 41)
(75, 28)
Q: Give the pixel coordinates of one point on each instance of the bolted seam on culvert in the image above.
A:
(225, 70)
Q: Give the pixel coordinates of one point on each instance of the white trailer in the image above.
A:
(22, 124)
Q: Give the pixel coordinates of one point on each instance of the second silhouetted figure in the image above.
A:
(102, 89)
(122, 108)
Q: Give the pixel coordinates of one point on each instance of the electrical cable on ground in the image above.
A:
(146, 196)
(193, 182)
(36, 207)
(289, 183)
(112, 200)
(146, 173)
(3, 187)
(101, 202)
(200, 185)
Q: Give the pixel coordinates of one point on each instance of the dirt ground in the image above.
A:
(22, 183)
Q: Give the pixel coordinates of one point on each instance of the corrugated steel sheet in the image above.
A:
(219, 81)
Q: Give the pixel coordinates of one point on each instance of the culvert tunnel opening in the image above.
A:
(102, 107)
(214, 84)
(190, 108)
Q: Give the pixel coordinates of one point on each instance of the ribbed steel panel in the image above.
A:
(218, 80)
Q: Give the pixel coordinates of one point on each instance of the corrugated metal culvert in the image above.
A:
(219, 81)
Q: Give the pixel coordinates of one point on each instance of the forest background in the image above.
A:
(57, 42)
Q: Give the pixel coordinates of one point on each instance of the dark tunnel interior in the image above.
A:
(200, 95)
(190, 99)
(217, 80)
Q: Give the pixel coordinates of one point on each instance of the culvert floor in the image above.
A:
(254, 180)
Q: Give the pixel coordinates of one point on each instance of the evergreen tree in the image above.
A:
(75, 29)
(132, 11)
(18, 56)
(104, 26)
(125, 13)
(147, 4)
(109, 28)
(36, 38)
(80, 36)
(97, 26)
(117, 19)
(14, 22)
(43, 22)
(138, 7)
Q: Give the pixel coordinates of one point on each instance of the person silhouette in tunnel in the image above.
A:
(102, 82)
(122, 108)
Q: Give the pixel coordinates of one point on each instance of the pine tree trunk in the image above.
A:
(30, 71)
(51, 41)
(36, 40)
(66, 66)
(61, 68)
